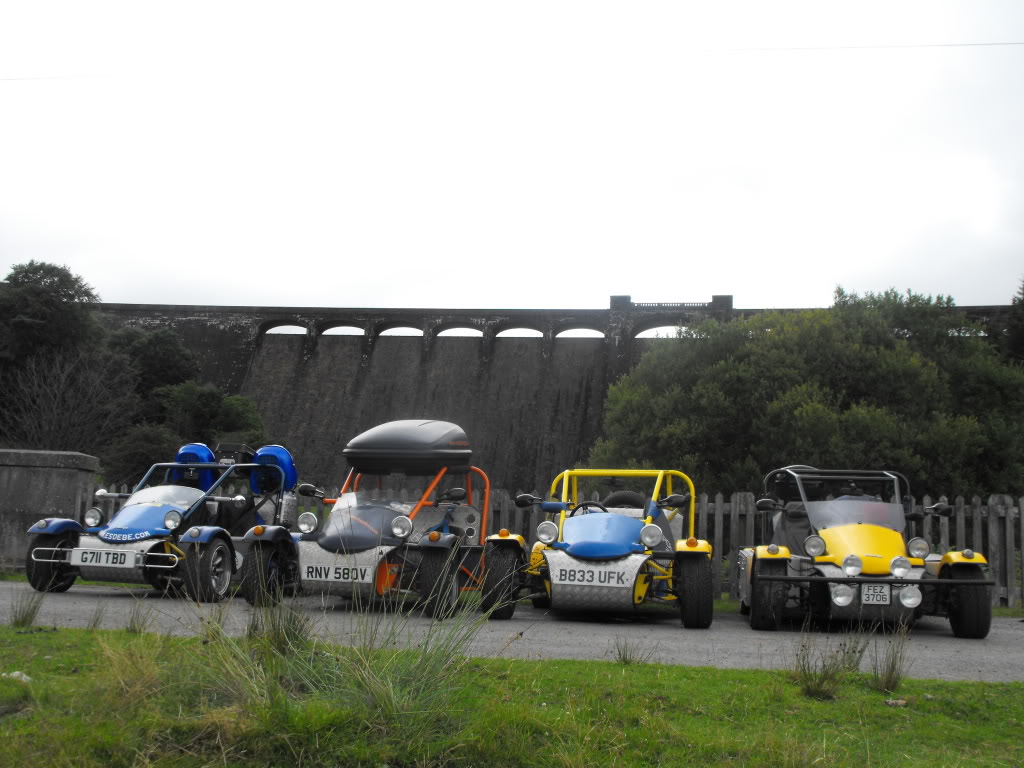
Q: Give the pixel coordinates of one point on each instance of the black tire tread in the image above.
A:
(47, 577)
(254, 584)
(970, 608)
(500, 575)
(196, 571)
(766, 598)
(694, 591)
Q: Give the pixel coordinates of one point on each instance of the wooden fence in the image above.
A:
(992, 527)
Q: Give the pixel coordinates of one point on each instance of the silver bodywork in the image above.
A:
(599, 585)
(313, 559)
(138, 550)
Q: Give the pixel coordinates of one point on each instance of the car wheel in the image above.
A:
(501, 576)
(50, 577)
(970, 607)
(208, 571)
(694, 591)
(632, 499)
(262, 571)
(437, 585)
(767, 597)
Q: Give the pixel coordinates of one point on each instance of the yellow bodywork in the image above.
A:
(874, 544)
(510, 538)
(762, 553)
(699, 546)
(957, 558)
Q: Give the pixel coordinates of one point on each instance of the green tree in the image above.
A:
(1015, 326)
(202, 413)
(159, 357)
(884, 380)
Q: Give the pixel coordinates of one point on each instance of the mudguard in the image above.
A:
(700, 546)
(203, 534)
(273, 534)
(957, 558)
(56, 525)
(510, 540)
(762, 553)
(444, 541)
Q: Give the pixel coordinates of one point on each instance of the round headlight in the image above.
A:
(401, 526)
(307, 522)
(910, 596)
(547, 532)
(852, 565)
(172, 519)
(842, 594)
(814, 546)
(651, 536)
(93, 517)
(899, 566)
(919, 548)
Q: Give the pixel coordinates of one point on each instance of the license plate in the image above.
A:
(874, 594)
(601, 577)
(359, 574)
(105, 558)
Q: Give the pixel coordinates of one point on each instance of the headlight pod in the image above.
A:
(651, 536)
(910, 596)
(401, 526)
(93, 517)
(307, 522)
(842, 594)
(814, 546)
(547, 532)
(172, 520)
(852, 565)
(899, 566)
(919, 548)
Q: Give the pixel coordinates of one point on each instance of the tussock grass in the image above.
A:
(820, 667)
(25, 607)
(891, 665)
(96, 619)
(628, 652)
(140, 617)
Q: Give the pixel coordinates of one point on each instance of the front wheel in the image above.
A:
(970, 607)
(501, 575)
(262, 581)
(767, 597)
(51, 577)
(437, 584)
(694, 591)
(207, 573)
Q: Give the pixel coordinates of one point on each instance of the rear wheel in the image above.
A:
(694, 591)
(207, 572)
(437, 585)
(501, 575)
(632, 499)
(970, 607)
(51, 577)
(262, 579)
(767, 597)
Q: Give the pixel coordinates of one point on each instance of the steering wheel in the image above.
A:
(584, 505)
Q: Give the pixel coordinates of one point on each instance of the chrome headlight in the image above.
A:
(899, 566)
(307, 522)
(547, 532)
(651, 536)
(93, 517)
(842, 594)
(401, 526)
(919, 548)
(814, 546)
(852, 565)
(172, 519)
(910, 596)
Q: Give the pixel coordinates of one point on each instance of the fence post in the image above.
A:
(977, 535)
(1011, 552)
(961, 524)
(716, 561)
(996, 560)
(926, 524)
(702, 517)
(943, 529)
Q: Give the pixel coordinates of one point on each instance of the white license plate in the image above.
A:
(601, 577)
(104, 558)
(874, 594)
(359, 574)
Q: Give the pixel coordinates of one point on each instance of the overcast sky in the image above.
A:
(527, 154)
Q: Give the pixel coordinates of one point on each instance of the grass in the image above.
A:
(628, 652)
(112, 698)
(821, 667)
(890, 664)
(25, 607)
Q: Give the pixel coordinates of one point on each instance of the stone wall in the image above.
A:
(37, 484)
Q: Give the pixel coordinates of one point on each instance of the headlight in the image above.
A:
(93, 517)
(919, 548)
(852, 565)
(910, 596)
(842, 594)
(172, 519)
(547, 532)
(651, 536)
(814, 546)
(307, 522)
(401, 526)
(899, 566)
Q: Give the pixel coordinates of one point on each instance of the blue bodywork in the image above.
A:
(203, 534)
(56, 525)
(195, 453)
(263, 481)
(600, 536)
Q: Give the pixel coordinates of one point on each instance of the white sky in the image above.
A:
(528, 154)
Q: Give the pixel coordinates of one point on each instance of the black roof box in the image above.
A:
(411, 446)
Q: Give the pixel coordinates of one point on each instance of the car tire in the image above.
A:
(694, 591)
(207, 571)
(437, 584)
(766, 597)
(262, 572)
(50, 577)
(501, 576)
(970, 607)
(633, 499)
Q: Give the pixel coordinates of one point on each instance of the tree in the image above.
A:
(159, 356)
(137, 449)
(202, 413)
(884, 380)
(1015, 326)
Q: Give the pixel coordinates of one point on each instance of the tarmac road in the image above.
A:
(536, 634)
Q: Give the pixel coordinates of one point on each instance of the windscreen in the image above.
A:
(852, 510)
(357, 523)
(179, 496)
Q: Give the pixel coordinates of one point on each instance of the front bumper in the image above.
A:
(341, 574)
(608, 586)
(143, 562)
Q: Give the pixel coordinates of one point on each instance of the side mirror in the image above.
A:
(524, 500)
(914, 517)
(675, 500)
(453, 494)
(766, 505)
(100, 493)
(238, 502)
(944, 510)
(308, 489)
